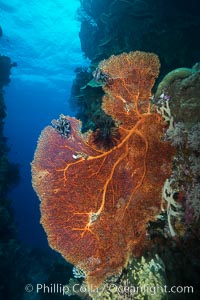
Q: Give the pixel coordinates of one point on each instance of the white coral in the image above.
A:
(173, 208)
(165, 111)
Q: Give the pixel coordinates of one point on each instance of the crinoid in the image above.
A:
(107, 135)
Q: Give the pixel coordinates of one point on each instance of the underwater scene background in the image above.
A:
(112, 88)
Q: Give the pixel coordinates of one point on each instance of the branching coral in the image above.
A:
(95, 203)
(174, 209)
(165, 111)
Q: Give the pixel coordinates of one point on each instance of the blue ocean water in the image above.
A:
(42, 37)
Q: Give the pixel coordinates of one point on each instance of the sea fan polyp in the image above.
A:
(95, 204)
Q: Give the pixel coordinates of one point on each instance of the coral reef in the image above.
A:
(86, 99)
(182, 86)
(174, 234)
(95, 204)
(144, 278)
(181, 90)
(167, 28)
(177, 74)
(150, 278)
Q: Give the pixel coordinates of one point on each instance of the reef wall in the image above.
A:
(169, 29)
(166, 28)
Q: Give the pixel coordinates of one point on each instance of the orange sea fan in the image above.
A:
(95, 204)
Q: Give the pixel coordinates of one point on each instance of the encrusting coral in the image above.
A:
(96, 203)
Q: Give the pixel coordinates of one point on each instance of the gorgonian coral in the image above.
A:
(96, 203)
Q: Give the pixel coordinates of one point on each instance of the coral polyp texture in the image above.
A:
(96, 203)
